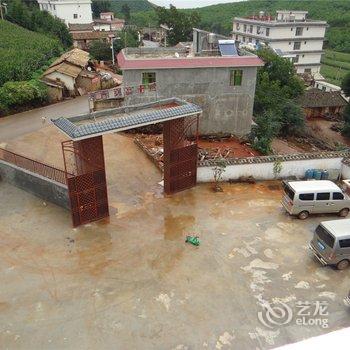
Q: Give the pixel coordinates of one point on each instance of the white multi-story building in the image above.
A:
(291, 34)
(70, 11)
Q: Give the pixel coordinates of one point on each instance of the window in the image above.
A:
(299, 31)
(237, 26)
(148, 78)
(305, 42)
(243, 39)
(257, 41)
(323, 88)
(236, 36)
(325, 236)
(75, 15)
(236, 77)
(306, 196)
(323, 196)
(344, 243)
(258, 30)
(250, 29)
(295, 59)
(307, 70)
(289, 43)
(297, 45)
(244, 28)
(267, 31)
(288, 191)
(302, 55)
(338, 195)
(250, 40)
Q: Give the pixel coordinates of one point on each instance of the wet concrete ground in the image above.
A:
(131, 282)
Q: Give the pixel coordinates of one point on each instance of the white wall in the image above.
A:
(345, 171)
(65, 9)
(67, 80)
(264, 171)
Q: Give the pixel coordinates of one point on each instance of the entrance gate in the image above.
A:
(84, 158)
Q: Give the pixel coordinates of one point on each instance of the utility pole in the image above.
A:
(1, 13)
(2, 5)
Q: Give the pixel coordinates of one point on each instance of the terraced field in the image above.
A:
(335, 65)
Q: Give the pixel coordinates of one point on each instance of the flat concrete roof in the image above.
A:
(178, 58)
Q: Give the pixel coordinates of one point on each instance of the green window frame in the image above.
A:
(148, 78)
(236, 77)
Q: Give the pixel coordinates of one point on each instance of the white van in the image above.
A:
(331, 243)
(302, 198)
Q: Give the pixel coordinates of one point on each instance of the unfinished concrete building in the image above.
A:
(213, 73)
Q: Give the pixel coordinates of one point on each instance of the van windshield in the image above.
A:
(325, 236)
(289, 192)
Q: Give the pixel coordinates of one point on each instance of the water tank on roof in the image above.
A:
(261, 14)
(211, 38)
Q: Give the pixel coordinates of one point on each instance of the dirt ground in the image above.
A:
(321, 128)
(131, 282)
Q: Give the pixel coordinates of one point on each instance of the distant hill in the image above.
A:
(135, 5)
(218, 18)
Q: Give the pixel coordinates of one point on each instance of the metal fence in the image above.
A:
(34, 166)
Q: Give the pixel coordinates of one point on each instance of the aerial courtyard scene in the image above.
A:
(174, 174)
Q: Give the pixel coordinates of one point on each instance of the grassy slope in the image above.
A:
(22, 51)
(335, 65)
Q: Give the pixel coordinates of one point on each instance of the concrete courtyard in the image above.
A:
(131, 282)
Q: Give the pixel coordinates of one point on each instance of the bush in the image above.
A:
(266, 128)
(22, 93)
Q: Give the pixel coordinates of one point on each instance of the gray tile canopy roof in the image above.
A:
(125, 118)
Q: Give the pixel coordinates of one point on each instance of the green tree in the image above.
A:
(345, 85)
(181, 23)
(100, 50)
(264, 131)
(275, 108)
(99, 6)
(126, 38)
(290, 118)
(125, 10)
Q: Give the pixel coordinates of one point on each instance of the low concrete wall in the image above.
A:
(345, 169)
(261, 168)
(44, 188)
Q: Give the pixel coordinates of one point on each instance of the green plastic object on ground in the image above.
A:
(193, 240)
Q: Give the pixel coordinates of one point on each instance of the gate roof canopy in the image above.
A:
(124, 118)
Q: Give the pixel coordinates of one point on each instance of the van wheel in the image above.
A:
(344, 212)
(303, 215)
(343, 264)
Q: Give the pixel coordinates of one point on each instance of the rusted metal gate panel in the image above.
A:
(86, 179)
(180, 155)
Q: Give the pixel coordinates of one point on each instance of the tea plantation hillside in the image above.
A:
(22, 52)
